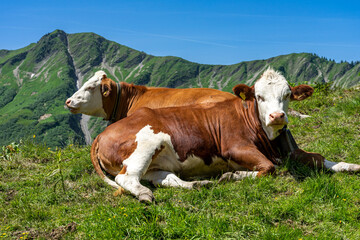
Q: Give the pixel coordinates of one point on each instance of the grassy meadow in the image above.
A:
(55, 194)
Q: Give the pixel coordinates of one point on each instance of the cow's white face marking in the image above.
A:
(88, 99)
(272, 94)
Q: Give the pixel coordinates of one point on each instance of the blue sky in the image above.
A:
(210, 32)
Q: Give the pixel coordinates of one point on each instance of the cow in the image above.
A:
(236, 137)
(102, 97)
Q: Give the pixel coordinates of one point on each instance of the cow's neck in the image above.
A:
(117, 92)
(251, 116)
(129, 95)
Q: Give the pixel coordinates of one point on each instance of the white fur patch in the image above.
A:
(111, 182)
(167, 179)
(238, 175)
(147, 143)
(139, 161)
(341, 166)
(244, 174)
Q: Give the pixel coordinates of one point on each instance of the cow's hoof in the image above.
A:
(146, 198)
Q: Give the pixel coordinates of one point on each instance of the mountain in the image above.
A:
(37, 79)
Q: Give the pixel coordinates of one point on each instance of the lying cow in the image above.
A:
(159, 145)
(102, 97)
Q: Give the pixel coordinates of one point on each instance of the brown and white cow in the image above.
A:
(102, 97)
(161, 145)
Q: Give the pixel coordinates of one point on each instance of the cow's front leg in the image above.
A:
(250, 158)
(318, 161)
(169, 179)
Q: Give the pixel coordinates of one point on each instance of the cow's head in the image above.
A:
(89, 98)
(272, 94)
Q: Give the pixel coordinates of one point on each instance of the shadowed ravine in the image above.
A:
(79, 81)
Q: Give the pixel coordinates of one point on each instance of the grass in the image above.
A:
(55, 193)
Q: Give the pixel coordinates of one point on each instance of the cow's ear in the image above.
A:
(105, 90)
(105, 86)
(244, 92)
(301, 92)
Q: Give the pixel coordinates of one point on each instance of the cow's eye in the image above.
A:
(260, 98)
(90, 88)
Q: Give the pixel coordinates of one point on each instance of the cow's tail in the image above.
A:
(95, 161)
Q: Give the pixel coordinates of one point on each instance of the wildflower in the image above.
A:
(34, 136)
(109, 219)
(344, 199)
(125, 215)
(340, 221)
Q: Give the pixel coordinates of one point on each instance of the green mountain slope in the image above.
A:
(36, 80)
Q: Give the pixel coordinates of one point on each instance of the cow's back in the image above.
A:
(170, 97)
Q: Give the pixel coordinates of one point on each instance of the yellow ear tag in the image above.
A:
(243, 97)
(105, 93)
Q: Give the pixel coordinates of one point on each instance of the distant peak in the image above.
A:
(54, 34)
(60, 34)
(58, 31)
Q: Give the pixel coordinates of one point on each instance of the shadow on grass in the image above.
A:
(300, 171)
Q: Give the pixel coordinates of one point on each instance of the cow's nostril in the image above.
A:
(272, 116)
(276, 116)
(68, 102)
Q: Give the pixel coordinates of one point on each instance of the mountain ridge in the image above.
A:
(37, 79)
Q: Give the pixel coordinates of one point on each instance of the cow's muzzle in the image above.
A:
(68, 105)
(277, 119)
